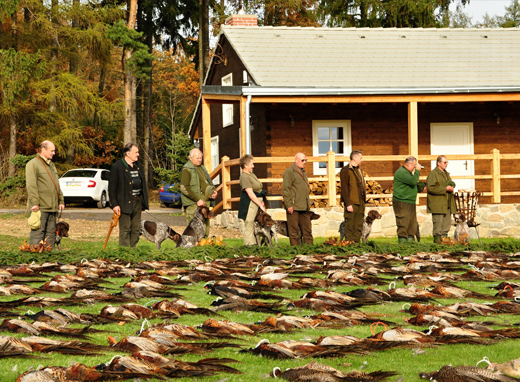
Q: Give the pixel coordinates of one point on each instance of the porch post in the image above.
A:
(206, 134)
(243, 126)
(226, 189)
(495, 174)
(413, 134)
(331, 179)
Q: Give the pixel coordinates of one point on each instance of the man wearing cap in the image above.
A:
(128, 195)
(440, 200)
(44, 196)
(406, 187)
(197, 189)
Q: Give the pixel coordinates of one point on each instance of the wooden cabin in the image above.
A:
(276, 91)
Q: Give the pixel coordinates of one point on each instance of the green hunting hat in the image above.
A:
(34, 220)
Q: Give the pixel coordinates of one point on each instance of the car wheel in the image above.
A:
(103, 201)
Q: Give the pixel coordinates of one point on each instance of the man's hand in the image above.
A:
(449, 188)
(117, 210)
(214, 195)
(350, 208)
(61, 207)
(200, 203)
(290, 210)
(35, 208)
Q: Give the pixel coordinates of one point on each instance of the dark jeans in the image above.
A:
(46, 231)
(300, 227)
(354, 222)
(130, 225)
(405, 218)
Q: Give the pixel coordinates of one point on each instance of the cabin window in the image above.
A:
(330, 135)
(227, 108)
(215, 157)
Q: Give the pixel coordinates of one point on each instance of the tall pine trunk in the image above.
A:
(13, 128)
(130, 130)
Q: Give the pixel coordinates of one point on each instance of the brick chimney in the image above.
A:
(242, 20)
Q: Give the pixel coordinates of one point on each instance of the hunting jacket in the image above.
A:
(120, 187)
(295, 189)
(41, 191)
(439, 201)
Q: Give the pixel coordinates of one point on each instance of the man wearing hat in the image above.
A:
(197, 189)
(44, 196)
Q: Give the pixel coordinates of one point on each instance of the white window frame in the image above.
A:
(227, 108)
(215, 157)
(347, 140)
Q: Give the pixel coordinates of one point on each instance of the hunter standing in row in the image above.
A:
(353, 194)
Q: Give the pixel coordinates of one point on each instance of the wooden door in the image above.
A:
(454, 139)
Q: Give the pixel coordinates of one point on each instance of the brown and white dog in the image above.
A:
(158, 232)
(461, 234)
(195, 231)
(367, 225)
(271, 232)
(62, 230)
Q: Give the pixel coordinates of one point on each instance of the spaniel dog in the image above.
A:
(262, 229)
(158, 232)
(62, 230)
(195, 231)
(367, 225)
(461, 234)
(267, 234)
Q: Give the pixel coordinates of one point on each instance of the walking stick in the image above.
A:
(113, 223)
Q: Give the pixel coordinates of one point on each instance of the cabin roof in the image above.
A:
(378, 57)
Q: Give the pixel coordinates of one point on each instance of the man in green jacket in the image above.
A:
(295, 193)
(406, 186)
(440, 200)
(197, 189)
(44, 193)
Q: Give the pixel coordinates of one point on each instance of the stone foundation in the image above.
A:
(496, 221)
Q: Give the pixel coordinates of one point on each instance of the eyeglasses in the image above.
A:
(303, 160)
(445, 162)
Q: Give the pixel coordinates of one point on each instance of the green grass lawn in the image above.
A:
(407, 362)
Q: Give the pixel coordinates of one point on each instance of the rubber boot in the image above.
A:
(411, 238)
(436, 239)
(402, 240)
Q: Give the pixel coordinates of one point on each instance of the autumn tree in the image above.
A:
(176, 90)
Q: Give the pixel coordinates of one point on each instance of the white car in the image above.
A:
(86, 185)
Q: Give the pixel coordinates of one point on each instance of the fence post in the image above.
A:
(226, 189)
(495, 173)
(331, 178)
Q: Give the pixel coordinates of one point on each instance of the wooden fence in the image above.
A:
(494, 176)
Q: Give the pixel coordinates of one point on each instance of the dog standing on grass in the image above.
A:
(266, 229)
(367, 226)
(195, 231)
(158, 232)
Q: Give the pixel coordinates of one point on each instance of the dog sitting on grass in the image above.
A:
(62, 230)
(367, 226)
(461, 234)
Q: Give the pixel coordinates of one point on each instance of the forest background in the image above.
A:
(91, 75)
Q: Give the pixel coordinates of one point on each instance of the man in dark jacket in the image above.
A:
(295, 192)
(440, 200)
(44, 193)
(128, 194)
(353, 196)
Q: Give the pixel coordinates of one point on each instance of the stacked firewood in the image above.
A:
(372, 188)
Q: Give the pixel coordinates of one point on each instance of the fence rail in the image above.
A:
(494, 158)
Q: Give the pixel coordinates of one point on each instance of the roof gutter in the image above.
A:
(289, 91)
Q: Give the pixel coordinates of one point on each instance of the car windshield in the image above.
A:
(79, 174)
